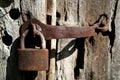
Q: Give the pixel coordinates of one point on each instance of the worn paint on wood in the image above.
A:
(90, 58)
(94, 58)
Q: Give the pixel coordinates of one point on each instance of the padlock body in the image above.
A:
(33, 59)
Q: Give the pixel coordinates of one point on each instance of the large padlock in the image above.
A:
(32, 59)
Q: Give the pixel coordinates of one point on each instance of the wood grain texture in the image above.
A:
(92, 52)
(51, 20)
(34, 9)
(93, 58)
(66, 56)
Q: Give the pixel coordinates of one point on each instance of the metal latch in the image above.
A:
(58, 32)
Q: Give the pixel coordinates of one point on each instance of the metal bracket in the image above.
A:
(58, 32)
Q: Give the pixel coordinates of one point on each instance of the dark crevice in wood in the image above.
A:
(56, 56)
(48, 46)
(78, 12)
(58, 16)
(21, 11)
(92, 41)
(65, 11)
(80, 45)
(100, 16)
(48, 42)
(49, 19)
(66, 16)
(29, 15)
(112, 33)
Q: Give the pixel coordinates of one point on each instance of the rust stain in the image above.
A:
(31, 59)
(58, 32)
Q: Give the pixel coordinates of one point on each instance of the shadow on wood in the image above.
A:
(12, 63)
(68, 50)
(80, 45)
(13, 73)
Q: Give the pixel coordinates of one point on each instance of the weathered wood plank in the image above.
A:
(66, 57)
(7, 54)
(51, 19)
(90, 57)
(34, 9)
(97, 46)
(115, 40)
(94, 58)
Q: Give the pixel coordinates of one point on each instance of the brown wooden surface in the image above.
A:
(91, 62)
(93, 58)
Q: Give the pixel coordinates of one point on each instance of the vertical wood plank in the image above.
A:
(97, 53)
(34, 9)
(94, 58)
(115, 62)
(51, 19)
(89, 60)
(30, 9)
(66, 56)
(8, 62)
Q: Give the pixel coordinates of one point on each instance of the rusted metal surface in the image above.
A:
(37, 59)
(30, 59)
(33, 59)
(58, 32)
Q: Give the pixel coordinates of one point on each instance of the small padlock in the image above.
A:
(30, 59)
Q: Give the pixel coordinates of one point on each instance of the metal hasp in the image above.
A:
(33, 59)
(58, 32)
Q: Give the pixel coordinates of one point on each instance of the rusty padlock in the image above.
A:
(30, 59)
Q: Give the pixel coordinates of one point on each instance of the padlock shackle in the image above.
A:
(31, 21)
(34, 29)
(43, 42)
(22, 39)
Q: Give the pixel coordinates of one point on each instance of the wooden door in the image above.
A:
(91, 58)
